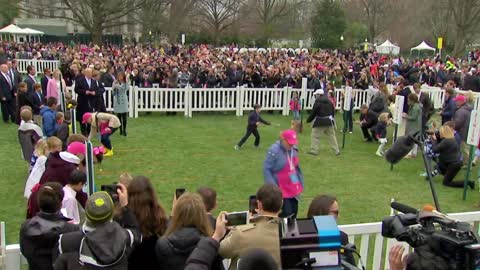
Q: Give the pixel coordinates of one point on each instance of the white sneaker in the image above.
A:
(379, 154)
(236, 147)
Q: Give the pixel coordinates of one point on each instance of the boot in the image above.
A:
(108, 152)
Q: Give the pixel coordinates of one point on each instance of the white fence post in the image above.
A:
(135, 100)
(190, 101)
(131, 102)
(187, 100)
(239, 100)
(286, 100)
(303, 95)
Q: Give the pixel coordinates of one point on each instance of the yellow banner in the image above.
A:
(440, 43)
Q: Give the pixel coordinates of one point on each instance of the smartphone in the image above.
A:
(111, 190)
(179, 192)
(237, 218)
(252, 204)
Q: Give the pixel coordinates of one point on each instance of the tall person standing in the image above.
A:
(281, 167)
(86, 89)
(120, 101)
(7, 95)
(323, 118)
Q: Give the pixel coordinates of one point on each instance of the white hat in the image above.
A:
(70, 158)
(318, 92)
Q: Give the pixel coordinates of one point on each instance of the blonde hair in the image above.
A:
(26, 115)
(470, 97)
(382, 87)
(54, 143)
(59, 116)
(383, 117)
(190, 211)
(41, 148)
(125, 179)
(446, 132)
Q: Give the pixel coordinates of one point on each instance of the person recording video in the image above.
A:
(421, 259)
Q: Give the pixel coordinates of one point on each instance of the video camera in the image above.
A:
(313, 244)
(452, 240)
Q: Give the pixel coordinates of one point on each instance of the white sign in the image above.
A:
(325, 258)
(398, 113)
(474, 129)
(183, 39)
(347, 100)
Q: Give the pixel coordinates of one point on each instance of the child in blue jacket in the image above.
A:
(49, 115)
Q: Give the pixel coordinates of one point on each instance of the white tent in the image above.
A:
(12, 29)
(388, 48)
(32, 32)
(423, 47)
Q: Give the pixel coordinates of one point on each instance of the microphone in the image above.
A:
(403, 208)
(400, 149)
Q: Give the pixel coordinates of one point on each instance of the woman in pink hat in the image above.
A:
(104, 123)
(281, 167)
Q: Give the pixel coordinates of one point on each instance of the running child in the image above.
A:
(380, 131)
(254, 120)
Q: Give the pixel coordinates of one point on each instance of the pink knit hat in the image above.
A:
(76, 148)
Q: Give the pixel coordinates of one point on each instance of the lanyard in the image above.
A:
(290, 161)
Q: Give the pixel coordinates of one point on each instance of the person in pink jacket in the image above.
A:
(295, 106)
(55, 85)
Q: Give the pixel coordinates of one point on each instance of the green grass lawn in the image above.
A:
(181, 152)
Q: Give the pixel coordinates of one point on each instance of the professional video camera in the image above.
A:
(448, 238)
(313, 244)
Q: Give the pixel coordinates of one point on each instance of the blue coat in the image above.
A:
(275, 161)
(49, 121)
(120, 98)
(448, 110)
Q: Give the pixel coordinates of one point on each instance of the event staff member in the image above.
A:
(86, 89)
(449, 159)
(281, 167)
(323, 117)
(254, 120)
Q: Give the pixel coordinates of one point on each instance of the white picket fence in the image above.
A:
(367, 237)
(39, 65)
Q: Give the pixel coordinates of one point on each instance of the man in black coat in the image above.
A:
(13, 72)
(47, 75)
(427, 105)
(7, 95)
(109, 77)
(323, 117)
(472, 81)
(86, 89)
(368, 119)
(31, 80)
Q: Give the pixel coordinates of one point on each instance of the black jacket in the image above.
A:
(37, 102)
(427, 106)
(38, 237)
(405, 92)
(322, 112)
(380, 130)
(448, 150)
(30, 85)
(471, 82)
(5, 90)
(105, 247)
(143, 256)
(369, 119)
(86, 103)
(44, 83)
(173, 251)
(253, 118)
(203, 255)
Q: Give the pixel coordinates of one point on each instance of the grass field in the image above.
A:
(181, 152)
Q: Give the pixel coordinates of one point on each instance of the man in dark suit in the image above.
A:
(47, 75)
(109, 77)
(38, 100)
(7, 95)
(31, 80)
(86, 88)
(13, 73)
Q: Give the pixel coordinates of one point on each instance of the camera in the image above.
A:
(112, 190)
(452, 240)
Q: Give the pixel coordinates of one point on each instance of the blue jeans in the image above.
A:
(296, 115)
(290, 207)
(105, 139)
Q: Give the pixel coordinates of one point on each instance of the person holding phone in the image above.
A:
(261, 232)
(281, 168)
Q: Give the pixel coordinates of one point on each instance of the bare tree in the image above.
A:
(94, 15)
(268, 12)
(153, 16)
(465, 15)
(179, 10)
(217, 15)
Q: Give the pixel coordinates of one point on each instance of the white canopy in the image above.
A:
(12, 29)
(422, 47)
(388, 48)
(32, 32)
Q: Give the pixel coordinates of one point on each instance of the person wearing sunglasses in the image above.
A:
(327, 205)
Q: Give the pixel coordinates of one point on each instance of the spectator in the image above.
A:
(327, 205)
(323, 117)
(55, 86)
(103, 243)
(189, 224)
(99, 100)
(403, 91)
(39, 234)
(379, 100)
(48, 114)
(47, 76)
(38, 101)
(86, 89)
(414, 120)
(257, 259)
(426, 105)
(28, 134)
(281, 168)
(462, 122)
(7, 95)
(31, 80)
(71, 208)
(261, 233)
(368, 120)
(23, 99)
(120, 101)
(61, 129)
(209, 198)
(143, 202)
(449, 107)
(39, 158)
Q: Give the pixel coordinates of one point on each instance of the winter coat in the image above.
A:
(120, 98)
(462, 120)
(323, 113)
(203, 255)
(414, 119)
(254, 118)
(28, 135)
(379, 103)
(369, 119)
(49, 121)
(106, 246)
(38, 237)
(173, 251)
(448, 110)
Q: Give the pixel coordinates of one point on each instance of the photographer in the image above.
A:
(102, 243)
(422, 259)
(261, 233)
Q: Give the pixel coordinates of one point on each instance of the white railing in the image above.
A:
(367, 236)
(39, 65)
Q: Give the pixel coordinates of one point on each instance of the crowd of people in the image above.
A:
(130, 229)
